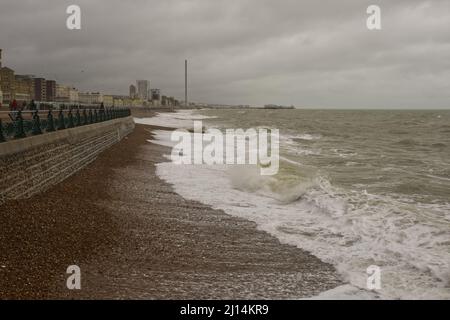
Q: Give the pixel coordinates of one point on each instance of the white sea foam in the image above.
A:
(349, 229)
(163, 137)
(291, 144)
(179, 120)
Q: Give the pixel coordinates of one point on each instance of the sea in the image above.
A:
(355, 188)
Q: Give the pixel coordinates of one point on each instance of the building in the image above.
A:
(73, 95)
(18, 87)
(50, 87)
(8, 84)
(90, 98)
(149, 94)
(164, 101)
(171, 102)
(127, 102)
(168, 101)
(66, 94)
(156, 97)
(121, 101)
(40, 89)
(23, 89)
(25, 85)
(156, 94)
(142, 89)
(117, 102)
(1, 92)
(138, 102)
(132, 91)
(108, 100)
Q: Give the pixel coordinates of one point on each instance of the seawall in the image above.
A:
(32, 165)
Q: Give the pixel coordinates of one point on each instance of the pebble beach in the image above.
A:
(133, 237)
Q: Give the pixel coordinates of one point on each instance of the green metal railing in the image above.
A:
(20, 124)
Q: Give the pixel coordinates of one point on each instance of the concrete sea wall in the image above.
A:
(31, 165)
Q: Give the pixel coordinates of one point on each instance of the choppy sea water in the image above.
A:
(355, 188)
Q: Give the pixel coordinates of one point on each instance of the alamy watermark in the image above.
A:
(73, 21)
(74, 280)
(373, 277)
(374, 20)
(235, 146)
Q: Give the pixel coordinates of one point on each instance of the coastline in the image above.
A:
(135, 238)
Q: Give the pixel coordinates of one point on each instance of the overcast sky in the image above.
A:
(309, 53)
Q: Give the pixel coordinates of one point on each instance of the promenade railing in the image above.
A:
(20, 124)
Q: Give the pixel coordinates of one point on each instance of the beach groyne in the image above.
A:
(33, 164)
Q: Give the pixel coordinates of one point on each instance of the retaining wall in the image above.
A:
(32, 165)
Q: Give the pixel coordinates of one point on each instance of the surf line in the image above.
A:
(252, 146)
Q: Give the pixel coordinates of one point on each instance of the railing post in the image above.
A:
(70, 118)
(61, 120)
(95, 116)
(36, 129)
(78, 118)
(20, 133)
(85, 118)
(2, 137)
(50, 124)
(91, 119)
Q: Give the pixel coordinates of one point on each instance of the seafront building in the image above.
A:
(8, 85)
(142, 89)
(118, 101)
(66, 94)
(24, 88)
(155, 97)
(40, 89)
(19, 87)
(50, 88)
(132, 91)
(108, 100)
(1, 92)
(141, 95)
(90, 97)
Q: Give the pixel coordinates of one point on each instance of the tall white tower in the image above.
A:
(1, 93)
(185, 84)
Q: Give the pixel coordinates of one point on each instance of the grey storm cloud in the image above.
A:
(310, 53)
